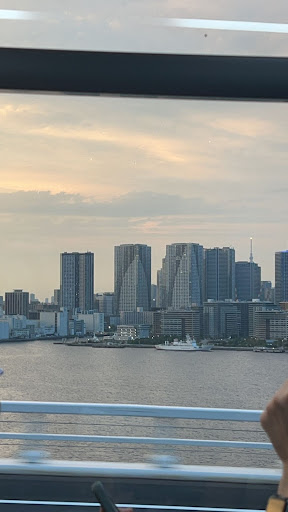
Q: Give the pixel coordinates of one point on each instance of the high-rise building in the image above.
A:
(153, 295)
(161, 300)
(57, 298)
(17, 303)
(219, 273)
(132, 277)
(248, 278)
(77, 280)
(267, 292)
(104, 303)
(183, 276)
(281, 276)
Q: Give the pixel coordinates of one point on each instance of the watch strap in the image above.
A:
(277, 504)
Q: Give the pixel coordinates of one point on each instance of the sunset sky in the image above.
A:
(82, 173)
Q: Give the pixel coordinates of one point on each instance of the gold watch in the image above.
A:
(277, 504)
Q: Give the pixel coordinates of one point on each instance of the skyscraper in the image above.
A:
(248, 278)
(17, 303)
(281, 276)
(153, 295)
(219, 273)
(161, 301)
(77, 280)
(105, 303)
(183, 275)
(267, 292)
(132, 277)
(57, 296)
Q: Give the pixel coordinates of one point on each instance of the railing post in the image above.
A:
(167, 457)
(34, 452)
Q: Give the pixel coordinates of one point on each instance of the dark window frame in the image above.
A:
(144, 75)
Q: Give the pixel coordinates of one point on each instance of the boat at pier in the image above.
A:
(187, 345)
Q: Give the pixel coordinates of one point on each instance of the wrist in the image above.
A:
(283, 484)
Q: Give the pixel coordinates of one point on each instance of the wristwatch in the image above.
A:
(277, 503)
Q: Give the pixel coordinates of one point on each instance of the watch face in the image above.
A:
(276, 504)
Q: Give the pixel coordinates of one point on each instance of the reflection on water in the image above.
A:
(46, 372)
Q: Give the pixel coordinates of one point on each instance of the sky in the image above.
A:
(81, 173)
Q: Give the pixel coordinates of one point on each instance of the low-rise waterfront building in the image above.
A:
(4, 329)
(269, 323)
(17, 303)
(178, 323)
(221, 319)
(136, 317)
(128, 332)
(54, 322)
(94, 322)
(77, 328)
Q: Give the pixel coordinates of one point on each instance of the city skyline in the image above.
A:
(154, 278)
(92, 172)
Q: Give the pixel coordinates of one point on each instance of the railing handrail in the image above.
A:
(148, 411)
(136, 440)
(131, 410)
(141, 470)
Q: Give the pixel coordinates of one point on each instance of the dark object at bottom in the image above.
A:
(103, 498)
(143, 491)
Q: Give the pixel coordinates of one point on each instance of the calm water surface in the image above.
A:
(46, 372)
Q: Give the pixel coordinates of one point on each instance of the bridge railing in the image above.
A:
(131, 410)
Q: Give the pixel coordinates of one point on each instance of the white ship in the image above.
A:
(187, 345)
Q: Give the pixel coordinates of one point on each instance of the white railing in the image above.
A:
(136, 440)
(130, 410)
(148, 411)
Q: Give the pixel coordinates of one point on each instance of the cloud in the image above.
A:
(10, 109)
(135, 204)
(147, 209)
(245, 127)
(160, 147)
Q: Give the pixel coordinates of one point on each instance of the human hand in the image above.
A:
(274, 421)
